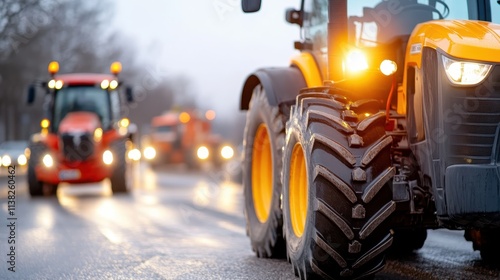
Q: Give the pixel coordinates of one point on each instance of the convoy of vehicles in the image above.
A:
(85, 135)
(386, 124)
(185, 137)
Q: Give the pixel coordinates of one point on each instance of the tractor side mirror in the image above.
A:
(294, 17)
(250, 6)
(31, 94)
(129, 94)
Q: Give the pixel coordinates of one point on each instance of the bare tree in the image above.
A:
(34, 32)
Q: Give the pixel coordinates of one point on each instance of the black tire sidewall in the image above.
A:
(260, 112)
(34, 185)
(119, 180)
(295, 244)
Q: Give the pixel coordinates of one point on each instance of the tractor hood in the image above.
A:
(79, 122)
(466, 39)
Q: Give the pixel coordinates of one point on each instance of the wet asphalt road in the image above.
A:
(175, 224)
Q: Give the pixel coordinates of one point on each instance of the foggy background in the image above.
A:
(175, 54)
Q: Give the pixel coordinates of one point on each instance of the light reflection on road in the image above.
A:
(45, 217)
(224, 196)
(180, 223)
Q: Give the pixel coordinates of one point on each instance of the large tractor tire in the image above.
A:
(35, 186)
(119, 179)
(337, 200)
(264, 138)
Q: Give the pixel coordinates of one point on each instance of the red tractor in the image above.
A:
(84, 138)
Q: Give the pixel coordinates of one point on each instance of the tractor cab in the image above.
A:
(96, 94)
(78, 99)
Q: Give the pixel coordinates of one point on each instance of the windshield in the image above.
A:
(82, 98)
(373, 22)
(165, 128)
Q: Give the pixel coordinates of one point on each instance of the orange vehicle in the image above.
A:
(185, 137)
(84, 137)
(384, 125)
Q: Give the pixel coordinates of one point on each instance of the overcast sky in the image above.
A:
(212, 42)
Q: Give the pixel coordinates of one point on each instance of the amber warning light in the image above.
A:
(53, 67)
(115, 68)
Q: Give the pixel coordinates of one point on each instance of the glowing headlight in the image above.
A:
(149, 153)
(98, 134)
(107, 157)
(202, 152)
(227, 152)
(104, 84)
(59, 84)
(6, 160)
(356, 61)
(388, 67)
(134, 154)
(113, 84)
(124, 122)
(48, 161)
(52, 84)
(22, 160)
(464, 72)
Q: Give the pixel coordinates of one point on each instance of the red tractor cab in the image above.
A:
(84, 137)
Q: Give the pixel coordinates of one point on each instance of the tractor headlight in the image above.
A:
(22, 160)
(59, 84)
(107, 157)
(98, 134)
(149, 153)
(388, 67)
(356, 61)
(134, 154)
(6, 160)
(203, 153)
(465, 72)
(48, 161)
(227, 152)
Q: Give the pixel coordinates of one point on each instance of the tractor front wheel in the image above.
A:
(264, 138)
(336, 197)
(119, 178)
(35, 186)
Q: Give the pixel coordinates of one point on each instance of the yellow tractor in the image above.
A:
(386, 124)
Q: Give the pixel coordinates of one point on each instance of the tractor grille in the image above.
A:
(77, 146)
(473, 121)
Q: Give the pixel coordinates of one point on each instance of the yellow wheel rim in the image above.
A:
(298, 190)
(262, 174)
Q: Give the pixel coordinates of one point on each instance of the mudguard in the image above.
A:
(281, 84)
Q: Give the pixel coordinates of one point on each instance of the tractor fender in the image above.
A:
(281, 84)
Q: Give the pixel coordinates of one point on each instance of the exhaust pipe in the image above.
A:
(337, 38)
